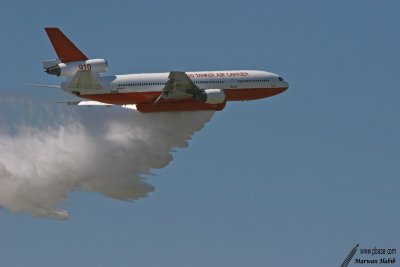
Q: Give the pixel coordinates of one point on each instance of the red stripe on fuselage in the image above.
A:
(149, 97)
(179, 106)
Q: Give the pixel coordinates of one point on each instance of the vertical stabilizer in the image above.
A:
(65, 49)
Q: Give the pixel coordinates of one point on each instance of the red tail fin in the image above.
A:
(65, 49)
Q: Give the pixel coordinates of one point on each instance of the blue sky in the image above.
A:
(294, 180)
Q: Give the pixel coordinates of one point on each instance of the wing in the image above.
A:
(85, 80)
(179, 85)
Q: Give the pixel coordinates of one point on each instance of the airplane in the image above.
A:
(154, 92)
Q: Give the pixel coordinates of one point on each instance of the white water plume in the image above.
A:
(48, 151)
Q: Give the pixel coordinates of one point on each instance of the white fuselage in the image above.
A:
(142, 88)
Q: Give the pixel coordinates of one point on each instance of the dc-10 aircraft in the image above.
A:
(154, 92)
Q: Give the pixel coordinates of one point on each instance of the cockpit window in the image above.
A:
(280, 78)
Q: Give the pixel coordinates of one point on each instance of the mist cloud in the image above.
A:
(48, 151)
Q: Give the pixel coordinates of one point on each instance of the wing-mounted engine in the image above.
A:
(211, 96)
(69, 69)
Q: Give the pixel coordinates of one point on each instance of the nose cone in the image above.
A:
(285, 85)
(282, 84)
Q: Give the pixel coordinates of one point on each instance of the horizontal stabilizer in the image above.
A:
(84, 103)
(43, 85)
(94, 103)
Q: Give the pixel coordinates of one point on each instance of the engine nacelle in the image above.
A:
(211, 96)
(69, 69)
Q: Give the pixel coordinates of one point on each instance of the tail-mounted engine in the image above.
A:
(69, 69)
